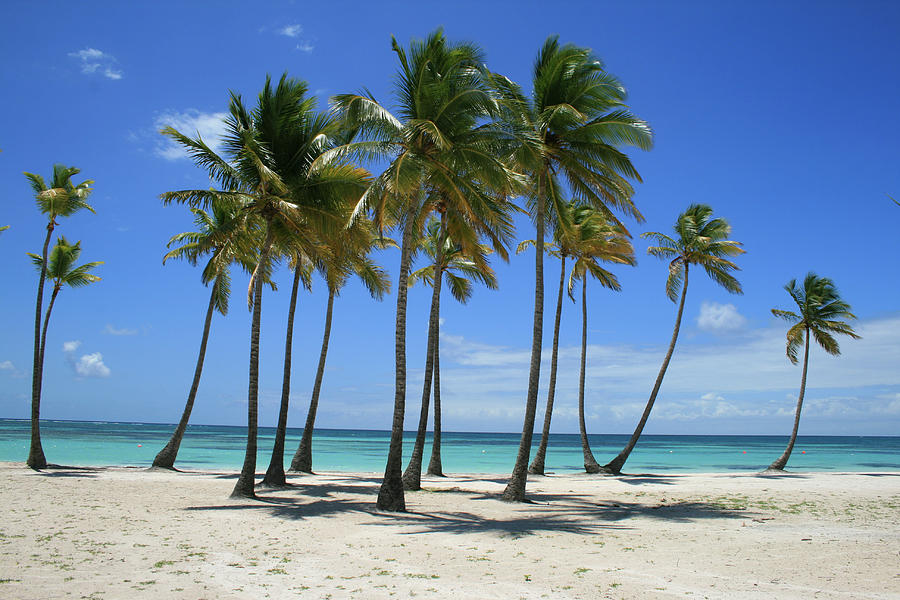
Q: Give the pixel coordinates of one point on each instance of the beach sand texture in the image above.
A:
(131, 533)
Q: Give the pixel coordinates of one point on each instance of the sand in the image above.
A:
(131, 533)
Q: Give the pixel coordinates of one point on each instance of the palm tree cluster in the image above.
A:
(461, 144)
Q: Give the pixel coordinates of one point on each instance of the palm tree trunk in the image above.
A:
(275, 473)
(779, 464)
(390, 495)
(412, 477)
(590, 463)
(245, 483)
(166, 457)
(615, 465)
(537, 465)
(435, 467)
(302, 461)
(515, 488)
(36, 459)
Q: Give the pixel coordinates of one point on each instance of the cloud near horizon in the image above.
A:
(97, 62)
(747, 381)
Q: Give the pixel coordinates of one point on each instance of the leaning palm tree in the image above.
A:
(61, 198)
(595, 240)
(268, 153)
(225, 234)
(347, 254)
(446, 258)
(61, 270)
(575, 122)
(445, 155)
(821, 314)
(699, 240)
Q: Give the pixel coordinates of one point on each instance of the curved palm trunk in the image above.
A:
(36, 459)
(275, 473)
(435, 467)
(245, 483)
(515, 488)
(390, 495)
(166, 457)
(537, 465)
(779, 464)
(615, 465)
(590, 463)
(412, 477)
(302, 461)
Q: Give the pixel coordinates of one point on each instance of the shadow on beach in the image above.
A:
(561, 512)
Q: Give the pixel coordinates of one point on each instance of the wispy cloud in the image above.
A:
(305, 46)
(110, 330)
(192, 122)
(86, 365)
(720, 318)
(97, 62)
(291, 30)
(747, 382)
(7, 365)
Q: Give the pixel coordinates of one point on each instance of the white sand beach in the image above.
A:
(130, 533)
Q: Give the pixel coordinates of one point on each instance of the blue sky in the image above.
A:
(782, 116)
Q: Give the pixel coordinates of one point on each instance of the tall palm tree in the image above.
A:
(594, 240)
(821, 314)
(699, 240)
(446, 154)
(446, 258)
(61, 270)
(576, 120)
(268, 152)
(317, 135)
(61, 198)
(226, 236)
(348, 254)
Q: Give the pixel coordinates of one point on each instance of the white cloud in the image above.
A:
(91, 365)
(71, 346)
(95, 61)
(720, 318)
(753, 380)
(110, 330)
(7, 365)
(191, 122)
(305, 46)
(291, 30)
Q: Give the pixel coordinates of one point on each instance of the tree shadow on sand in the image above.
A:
(565, 512)
(68, 471)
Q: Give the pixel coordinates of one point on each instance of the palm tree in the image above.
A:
(446, 258)
(61, 271)
(61, 198)
(446, 155)
(594, 240)
(575, 121)
(348, 253)
(701, 241)
(316, 135)
(223, 233)
(269, 152)
(821, 314)
(567, 238)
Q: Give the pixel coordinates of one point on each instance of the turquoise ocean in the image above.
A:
(218, 447)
